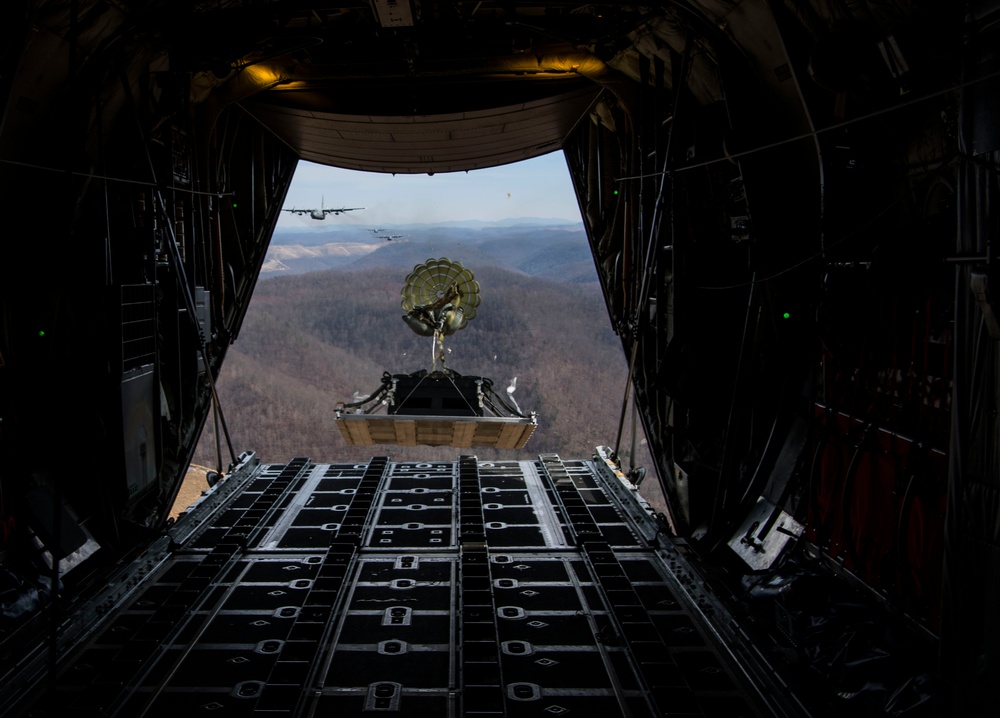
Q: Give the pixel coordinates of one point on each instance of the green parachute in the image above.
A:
(439, 297)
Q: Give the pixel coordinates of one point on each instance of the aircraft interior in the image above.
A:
(789, 207)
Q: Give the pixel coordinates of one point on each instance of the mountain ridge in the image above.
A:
(314, 339)
(285, 229)
(561, 252)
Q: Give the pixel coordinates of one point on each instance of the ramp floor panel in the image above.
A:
(470, 588)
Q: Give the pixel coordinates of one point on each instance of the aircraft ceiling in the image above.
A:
(414, 87)
(440, 87)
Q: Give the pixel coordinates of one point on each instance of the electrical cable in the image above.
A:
(631, 458)
(117, 180)
(815, 255)
(839, 125)
(846, 524)
(824, 523)
(903, 521)
(720, 492)
(181, 275)
(218, 439)
(822, 437)
(653, 241)
(748, 491)
(654, 223)
(628, 391)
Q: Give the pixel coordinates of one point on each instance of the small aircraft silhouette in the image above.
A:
(390, 237)
(376, 231)
(322, 211)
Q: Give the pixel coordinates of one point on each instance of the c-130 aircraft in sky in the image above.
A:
(322, 212)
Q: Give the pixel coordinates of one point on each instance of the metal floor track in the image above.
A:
(452, 588)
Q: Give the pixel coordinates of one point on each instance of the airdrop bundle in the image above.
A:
(436, 406)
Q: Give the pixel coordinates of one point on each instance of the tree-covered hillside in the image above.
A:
(312, 340)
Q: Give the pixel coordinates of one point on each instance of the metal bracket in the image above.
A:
(760, 541)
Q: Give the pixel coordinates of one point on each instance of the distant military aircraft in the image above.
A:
(376, 231)
(390, 237)
(322, 211)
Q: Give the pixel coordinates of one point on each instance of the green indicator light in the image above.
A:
(616, 191)
(235, 205)
(786, 315)
(41, 332)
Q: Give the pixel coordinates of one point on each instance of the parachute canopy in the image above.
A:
(439, 296)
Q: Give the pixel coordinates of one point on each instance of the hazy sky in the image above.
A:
(534, 188)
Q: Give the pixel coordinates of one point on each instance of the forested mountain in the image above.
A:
(313, 339)
(557, 251)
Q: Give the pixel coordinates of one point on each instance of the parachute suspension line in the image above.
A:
(437, 350)
(471, 407)
(415, 387)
